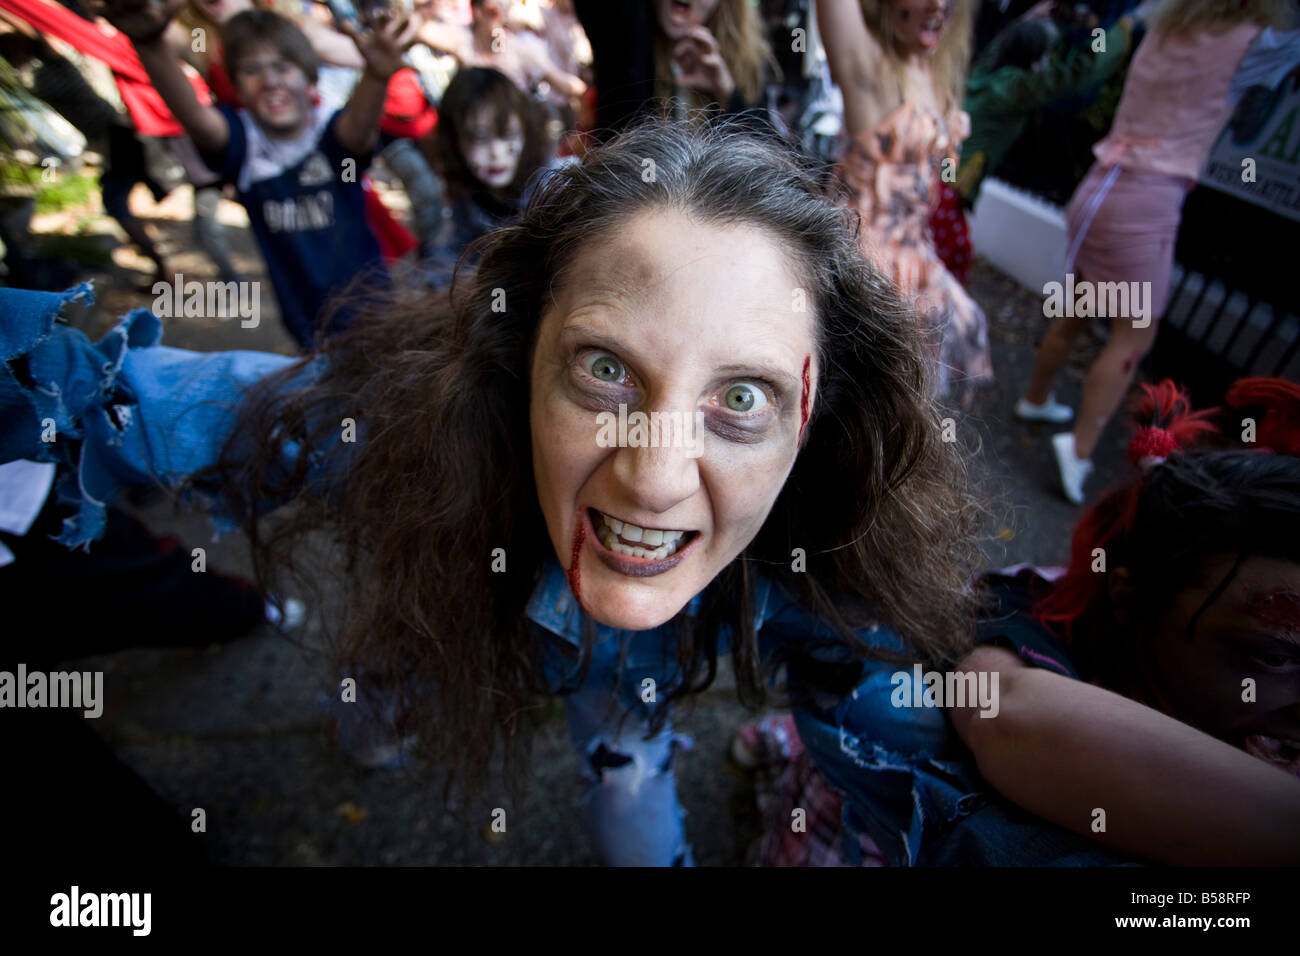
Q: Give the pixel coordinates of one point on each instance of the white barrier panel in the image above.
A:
(1020, 234)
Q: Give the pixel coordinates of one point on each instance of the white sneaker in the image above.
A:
(1074, 470)
(1050, 411)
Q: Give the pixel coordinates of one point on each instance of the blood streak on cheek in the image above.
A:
(575, 570)
(807, 389)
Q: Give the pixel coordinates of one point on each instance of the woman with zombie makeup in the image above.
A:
(1122, 222)
(489, 146)
(679, 57)
(901, 66)
(780, 491)
(1132, 680)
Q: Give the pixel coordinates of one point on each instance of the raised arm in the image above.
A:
(331, 46)
(444, 37)
(1063, 748)
(146, 24)
(566, 83)
(381, 46)
(855, 59)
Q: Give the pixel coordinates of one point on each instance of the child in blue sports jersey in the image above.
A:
(295, 163)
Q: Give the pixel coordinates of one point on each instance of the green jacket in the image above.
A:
(1001, 101)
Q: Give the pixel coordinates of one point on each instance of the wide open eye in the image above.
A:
(605, 368)
(744, 397)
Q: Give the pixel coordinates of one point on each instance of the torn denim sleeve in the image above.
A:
(907, 782)
(123, 411)
(904, 777)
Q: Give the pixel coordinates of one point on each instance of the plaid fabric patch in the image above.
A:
(786, 782)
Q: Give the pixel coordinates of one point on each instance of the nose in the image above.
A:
(658, 479)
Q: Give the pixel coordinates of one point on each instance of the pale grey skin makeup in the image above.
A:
(670, 314)
(276, 92)
(493, 158)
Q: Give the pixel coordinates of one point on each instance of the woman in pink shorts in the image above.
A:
(1123, 218)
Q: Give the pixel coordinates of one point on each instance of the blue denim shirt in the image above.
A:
(128, 410)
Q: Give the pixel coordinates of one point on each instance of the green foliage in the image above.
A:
(68, 189)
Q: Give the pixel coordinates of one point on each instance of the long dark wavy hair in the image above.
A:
(441, 472)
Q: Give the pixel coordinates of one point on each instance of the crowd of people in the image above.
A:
(654, 205)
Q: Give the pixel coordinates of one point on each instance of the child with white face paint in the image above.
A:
(492, 154)
(488, 146)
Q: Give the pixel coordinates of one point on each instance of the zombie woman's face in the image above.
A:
(676, 17)
(492, 154)
(671, 379)
(1238, 677)
(918, 25)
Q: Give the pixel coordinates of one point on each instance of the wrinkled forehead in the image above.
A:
(665, 275)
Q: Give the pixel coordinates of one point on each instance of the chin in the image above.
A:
(287, 125)
(618, 606)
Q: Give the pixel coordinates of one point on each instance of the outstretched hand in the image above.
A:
(143, 21)
(387, 37)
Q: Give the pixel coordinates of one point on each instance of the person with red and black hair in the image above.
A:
(1139, 680)
(1144, 679)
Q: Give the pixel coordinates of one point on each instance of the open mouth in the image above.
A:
(276, 102)
(679, 11)
(1281, 751)
(633, 541)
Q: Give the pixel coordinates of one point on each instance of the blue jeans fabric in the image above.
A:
(140, 412)
(121, 412)
(905, 778)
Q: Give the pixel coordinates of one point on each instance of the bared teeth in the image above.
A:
(621, 537)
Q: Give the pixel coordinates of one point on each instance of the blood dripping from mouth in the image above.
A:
(575, 571)
(807, 388)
